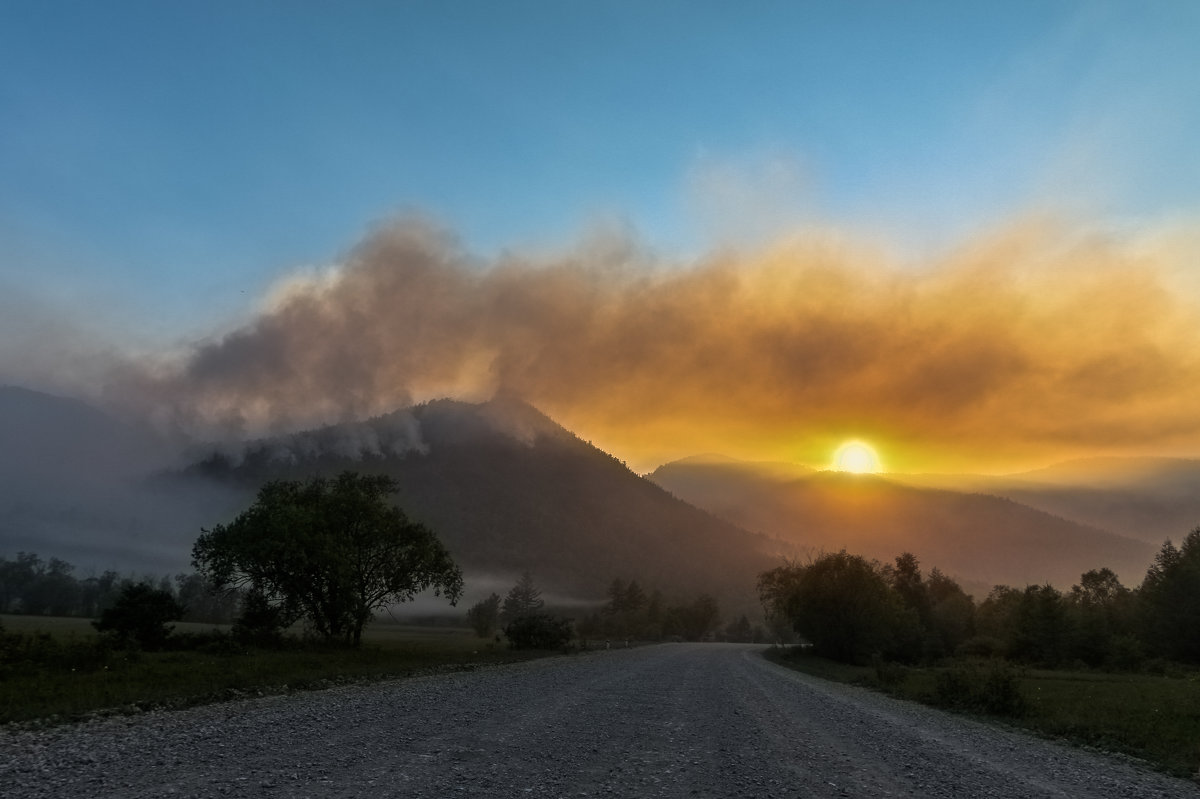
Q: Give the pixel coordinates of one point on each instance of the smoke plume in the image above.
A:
(1035, 341)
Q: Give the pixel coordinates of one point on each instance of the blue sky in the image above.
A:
(169, 161)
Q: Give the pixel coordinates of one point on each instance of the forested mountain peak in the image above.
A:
(509, 490)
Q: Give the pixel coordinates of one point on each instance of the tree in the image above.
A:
(740, 631)
(911, 636)
(202, 602)
(140, 616)
(484, 616)
(330, 551)
(1169, 601)
(951, 614)
(627, 611)
(775, 589)
(1099, 610)
(840, 603)
(1030, 624)
(695, 620)
(524, 599)
(260, 623)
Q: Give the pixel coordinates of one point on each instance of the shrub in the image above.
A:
(539, 631)
(888, 674)
(260, 623)
(981, 646)
(140, 616)
(995, 689)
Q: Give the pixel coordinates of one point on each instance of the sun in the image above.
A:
(857, 458)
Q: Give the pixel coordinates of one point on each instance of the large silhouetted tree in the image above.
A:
(839, 602)
(1100, 610)
(332, 551)
(1170, 600)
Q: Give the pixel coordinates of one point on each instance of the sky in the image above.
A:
(966, 232)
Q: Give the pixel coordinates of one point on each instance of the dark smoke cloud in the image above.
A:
(1033, 342)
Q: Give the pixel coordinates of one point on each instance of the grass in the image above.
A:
(60, 674)
(1153, 718)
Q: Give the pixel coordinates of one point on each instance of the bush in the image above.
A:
(539, 631)
(260, 622)
(23, 654)
(995, 689)
(981, 646)
(890, 675)
(140, 616)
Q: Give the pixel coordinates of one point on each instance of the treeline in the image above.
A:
(850, 609)
(633, 614)
(32, 586)
(630, 614)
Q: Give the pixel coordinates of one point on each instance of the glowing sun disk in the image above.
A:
(856, 457)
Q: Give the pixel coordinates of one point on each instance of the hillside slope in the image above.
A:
(1149, 499)
(979, 538)
(507, 490)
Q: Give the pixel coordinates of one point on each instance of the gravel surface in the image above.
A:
(691, 720)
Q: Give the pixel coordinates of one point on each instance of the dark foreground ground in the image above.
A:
(689, 720)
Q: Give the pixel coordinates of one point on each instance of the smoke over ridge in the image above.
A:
(1032, 340)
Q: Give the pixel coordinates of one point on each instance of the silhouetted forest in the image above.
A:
(33, 586)
(630, 614)
(851, 609)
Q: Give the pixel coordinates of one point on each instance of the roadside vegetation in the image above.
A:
(1155, 718)
(1101, 664)
(60, 669)
(300, 574)
(629, 614)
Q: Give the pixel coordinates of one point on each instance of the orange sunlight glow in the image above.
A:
(857, 458)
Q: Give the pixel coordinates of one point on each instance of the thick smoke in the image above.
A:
(1034, 341)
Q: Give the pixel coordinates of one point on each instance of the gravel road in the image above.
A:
(689, 720)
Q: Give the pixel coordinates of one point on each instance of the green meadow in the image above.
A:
(56, 669)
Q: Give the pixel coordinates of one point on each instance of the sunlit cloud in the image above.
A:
(1035, 342)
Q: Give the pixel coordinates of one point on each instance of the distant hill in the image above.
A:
(978, 538)
(507, 489)
(1150, 499)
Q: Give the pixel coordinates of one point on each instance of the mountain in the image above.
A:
(1150, 499)
(507, 490)
(980, 539)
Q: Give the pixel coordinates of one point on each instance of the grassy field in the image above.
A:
(1154, 718)
(59, 676)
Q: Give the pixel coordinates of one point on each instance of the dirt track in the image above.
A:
(690, 720)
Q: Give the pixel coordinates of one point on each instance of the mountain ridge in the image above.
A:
(979, 538)
(508, 489)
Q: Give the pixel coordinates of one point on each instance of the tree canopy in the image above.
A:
(1170, 599)
(140, 616)
(850, 608)
(524, 599)
(484, 616)
(330, 551)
